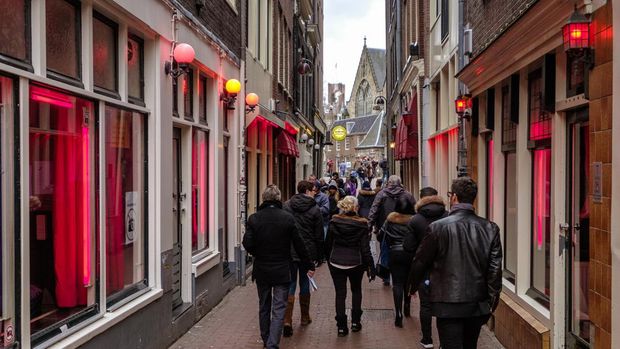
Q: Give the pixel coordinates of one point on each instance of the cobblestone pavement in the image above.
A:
(234, 322)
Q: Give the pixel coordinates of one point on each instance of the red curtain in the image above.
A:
(71, 208)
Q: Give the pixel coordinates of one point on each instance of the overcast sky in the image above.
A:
(346, 24)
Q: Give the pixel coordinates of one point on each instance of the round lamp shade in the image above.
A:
(317, 147)
(233, 86)
(184, 54)
(311, 142)
(251, 99)
(304, 137)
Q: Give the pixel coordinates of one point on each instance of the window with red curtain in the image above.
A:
(125, 158)
(540, 145)
(200, 190)
(490, 183)
(63, 210)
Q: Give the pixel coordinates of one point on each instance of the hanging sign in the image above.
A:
(339, 133)
(132, 216)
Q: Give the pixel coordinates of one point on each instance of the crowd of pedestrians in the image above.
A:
(448, 256)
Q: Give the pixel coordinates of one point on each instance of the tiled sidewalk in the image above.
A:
(234, 323)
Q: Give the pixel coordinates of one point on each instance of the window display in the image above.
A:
(125, 202)
(62, 209)
(200, 191)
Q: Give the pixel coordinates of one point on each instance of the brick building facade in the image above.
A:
(540, 143)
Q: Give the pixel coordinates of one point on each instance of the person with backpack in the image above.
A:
(430, 208)
(365, 196)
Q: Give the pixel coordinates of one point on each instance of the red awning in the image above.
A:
(287, 144)
(407, 138)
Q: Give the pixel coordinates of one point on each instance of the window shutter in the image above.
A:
(490, 124)
(514, 98)
(549, 83)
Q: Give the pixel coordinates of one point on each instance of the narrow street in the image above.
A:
(234, 323)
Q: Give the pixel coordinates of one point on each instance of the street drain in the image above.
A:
(375, 314)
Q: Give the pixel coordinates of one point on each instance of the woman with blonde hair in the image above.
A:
(348, 250)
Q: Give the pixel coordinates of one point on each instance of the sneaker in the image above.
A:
(426, 344)
(343, 331)
(356, 327)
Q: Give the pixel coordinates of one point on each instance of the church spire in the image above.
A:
(364, 40)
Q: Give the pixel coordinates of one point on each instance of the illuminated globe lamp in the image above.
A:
(462, 104)
(231, 90)
(251, 101)
(317, 146)
(182, 56)
(310, 142)
(303, 138)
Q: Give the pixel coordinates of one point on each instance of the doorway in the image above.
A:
(177, 247)
(579, 325)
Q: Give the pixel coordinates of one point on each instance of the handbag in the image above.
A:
(383, 271)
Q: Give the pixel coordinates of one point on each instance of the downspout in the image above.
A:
(462, 120)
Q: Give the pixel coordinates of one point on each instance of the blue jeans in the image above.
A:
(304, 283)
(272, 305)
(384, 258)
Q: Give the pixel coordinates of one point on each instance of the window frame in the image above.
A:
(203, 80)
(135, 99)
(508, 274)
(210, 247)
(25, 64)
(122, 297)
(188, 79)
(115, 28)
(52, 74)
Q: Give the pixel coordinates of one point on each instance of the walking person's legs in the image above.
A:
(264, 310)
(426, 319)
(288, 314)
(450, 332)
(399, 268)
(355, 279)
(280, 293)
(304, 297)
(339, 277)
(471, 331)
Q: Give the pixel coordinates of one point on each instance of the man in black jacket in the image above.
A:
(309, 221)
(429, 208)
(463, 253)
(268, 237)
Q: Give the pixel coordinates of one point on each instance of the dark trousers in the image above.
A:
(400, 262)
(272, 305)
(339, 277)
(460, 333)
(426, 317)
(301, 273)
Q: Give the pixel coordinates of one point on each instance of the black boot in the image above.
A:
(398, 305)
(356, 320)
(407, 308)
(341, 322)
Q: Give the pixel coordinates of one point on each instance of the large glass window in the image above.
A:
(510, 216)
(541, 221)
(63, 207)
(125, 176)
(105, 48)
(135, 68)
(15, 29)
(490, 182)
(62, 22)
(188, 95)
(200, 191)
(202, 99)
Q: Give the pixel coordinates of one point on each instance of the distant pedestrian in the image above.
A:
(378, 185)
(382, 206)
(384, 168)
(334, 197)
(463, 253)
(429, 208)
(350, 186)
(395, 231)
(366, 196)
(269, 234)
(322, 200)
(309, 222)
(348, 248)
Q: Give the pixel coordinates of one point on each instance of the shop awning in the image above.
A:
(287, 145)
(407, 138)
(263, 114)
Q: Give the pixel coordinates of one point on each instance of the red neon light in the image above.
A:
(85, 209)
(290, 129)
(42, 95)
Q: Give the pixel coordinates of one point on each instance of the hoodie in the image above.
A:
(385, 202)
(428, 210)
(348, 242)
(309, 222)
(365, 199)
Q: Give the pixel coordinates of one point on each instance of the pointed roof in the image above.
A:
(377, 58)
(361, 124)
(374, 138)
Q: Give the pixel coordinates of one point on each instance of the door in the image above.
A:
(579, 240)
(177, 246)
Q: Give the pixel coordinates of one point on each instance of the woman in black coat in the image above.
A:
(396, 230)
(366, 197)
(348, 248)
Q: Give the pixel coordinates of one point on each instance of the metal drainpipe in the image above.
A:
(462, 143)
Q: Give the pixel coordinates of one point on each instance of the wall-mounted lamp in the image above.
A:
(392, 145)
(576, 35)
(310, 142)
(182, 55)
(251, 101)
(463, 105)
(231, 90)
(304, 66)
(303, 138)
(317, 146)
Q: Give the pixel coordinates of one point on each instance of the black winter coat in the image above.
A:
(396, 228)
(348, 241)
(309, 222)
(428, 210)
(463, 253)
(268, 237)
(385, 202)
(365, 199)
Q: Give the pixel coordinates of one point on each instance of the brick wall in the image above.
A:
(600, 151)
(220, 18)
(514, 327)
(490, 18)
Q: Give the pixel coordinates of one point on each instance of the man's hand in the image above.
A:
(310, 273)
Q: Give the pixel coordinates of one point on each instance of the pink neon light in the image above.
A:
(203, 187)
(490, 179)
(85, 209)
(50, 97)
(542, 159)
(52, 101)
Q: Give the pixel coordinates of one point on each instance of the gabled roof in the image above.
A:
(377, 58)
(375, 136)
(361, 125)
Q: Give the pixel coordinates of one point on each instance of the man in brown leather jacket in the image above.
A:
(463, 253)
